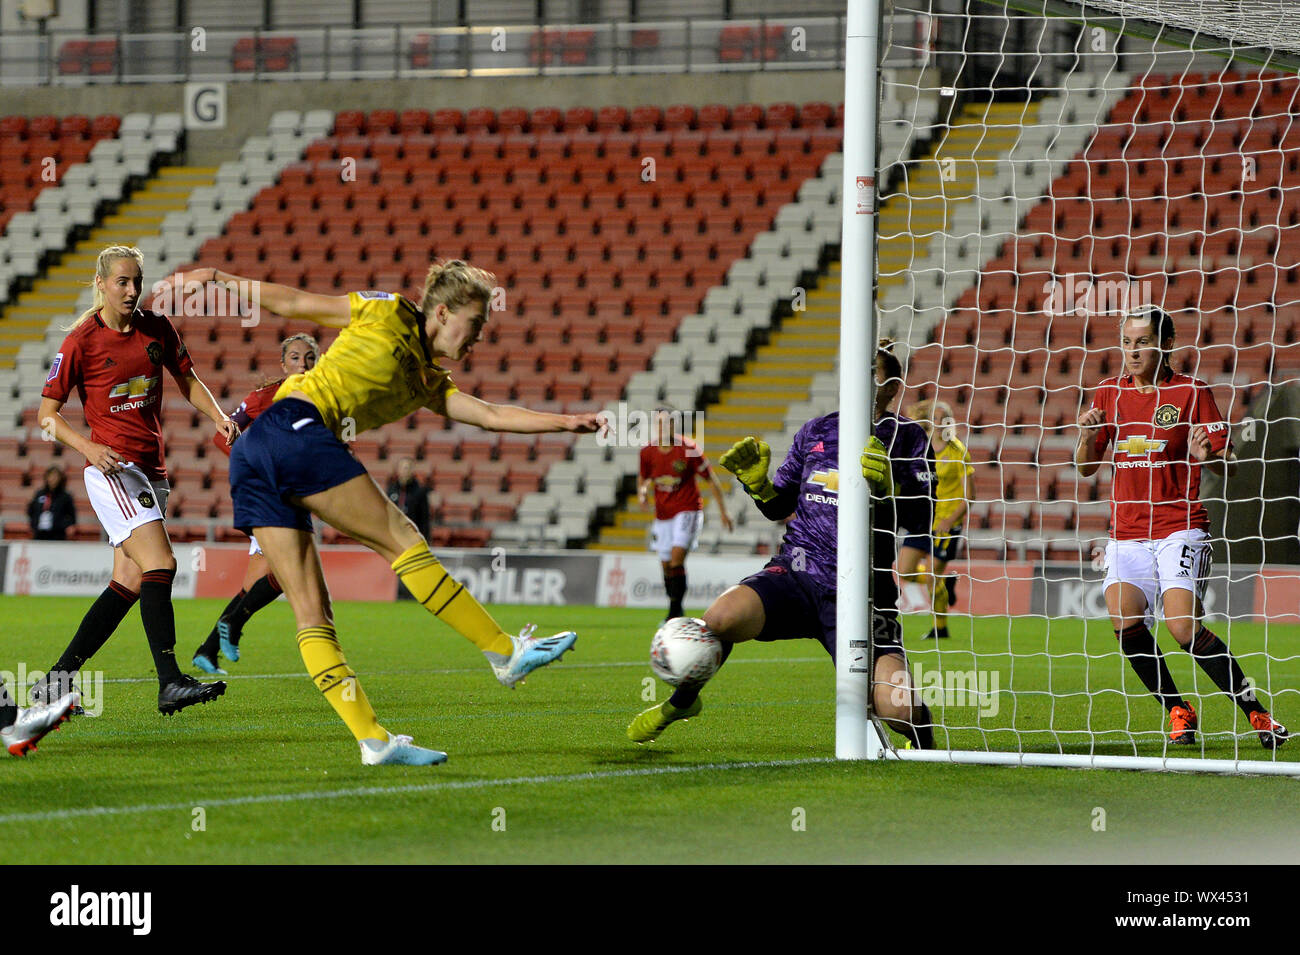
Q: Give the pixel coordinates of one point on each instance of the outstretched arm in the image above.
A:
(749, 460)
(493, 417)
(332, 311)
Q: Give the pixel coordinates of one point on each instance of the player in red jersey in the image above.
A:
(113, 358)
(298, 353)
(1165, 428)
(670, 467)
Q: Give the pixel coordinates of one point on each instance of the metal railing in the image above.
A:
(402, 52)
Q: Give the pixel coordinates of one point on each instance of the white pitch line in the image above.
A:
(301, 674)
(312, 795)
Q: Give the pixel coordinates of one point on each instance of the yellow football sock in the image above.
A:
(449, 601)
(939, 600)
(336, 680)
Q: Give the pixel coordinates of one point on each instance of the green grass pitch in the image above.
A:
(545, 773)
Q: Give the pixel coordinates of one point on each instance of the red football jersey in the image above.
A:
(257, 401)
(674, 470)
(1157, 486)
(118, 378)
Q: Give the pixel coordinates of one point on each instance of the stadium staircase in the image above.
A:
(1130, 204)
(754, 402)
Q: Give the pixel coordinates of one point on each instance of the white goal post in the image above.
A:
(1085, 153)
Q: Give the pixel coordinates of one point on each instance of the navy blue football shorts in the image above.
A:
(286, 453)
(944, 547)
(796, 605)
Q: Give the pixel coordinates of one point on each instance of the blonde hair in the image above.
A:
(930, 412)
(454, 284)
(303, 337)
(103, 269)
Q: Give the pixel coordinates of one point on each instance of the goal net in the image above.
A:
(1090, 158)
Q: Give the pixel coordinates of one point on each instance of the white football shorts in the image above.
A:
(681, 530)
(125, 500)
(1180, 561)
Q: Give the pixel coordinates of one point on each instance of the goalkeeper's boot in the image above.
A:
(1272, 734)
(207, 664)
(648, 725)
(33, 723)
(186, 691)
(229, 641)
(1182, 725)
(398, 751)
(53, 687)
(530, 653)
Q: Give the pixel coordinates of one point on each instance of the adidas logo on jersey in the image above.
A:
(819, 448)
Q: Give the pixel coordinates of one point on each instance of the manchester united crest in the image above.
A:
(145, 499)
(679, 466)
(1166, 416)
(154, 351)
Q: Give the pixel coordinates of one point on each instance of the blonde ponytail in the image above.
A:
(103, 268)
(454, 284)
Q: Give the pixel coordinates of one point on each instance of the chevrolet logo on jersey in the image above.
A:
(1137, 446)
(827, 479)
(137, 386)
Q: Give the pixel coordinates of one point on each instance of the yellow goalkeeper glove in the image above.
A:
(749, 460)
(875, 468)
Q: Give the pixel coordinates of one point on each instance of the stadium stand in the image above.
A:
(600, 255)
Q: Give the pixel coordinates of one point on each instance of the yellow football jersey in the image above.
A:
(951, 466)
(377, 371)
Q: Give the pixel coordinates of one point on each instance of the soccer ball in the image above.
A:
(685, 651)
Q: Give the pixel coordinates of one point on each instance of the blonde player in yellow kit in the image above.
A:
(953, 490)
(291, 464)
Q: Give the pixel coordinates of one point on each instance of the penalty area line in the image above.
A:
(560, 666)
(449, 786)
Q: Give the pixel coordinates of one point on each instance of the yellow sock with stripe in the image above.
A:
(448, 600)
(336, 680)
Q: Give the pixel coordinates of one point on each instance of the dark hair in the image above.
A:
(1160, 320)
(885, 357)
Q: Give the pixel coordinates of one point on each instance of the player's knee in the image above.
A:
(405, 535)
(1182, 629)
(729, 619)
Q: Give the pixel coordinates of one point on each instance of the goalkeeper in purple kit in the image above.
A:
(794, 595)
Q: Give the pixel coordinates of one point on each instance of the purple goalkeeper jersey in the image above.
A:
(811, 468)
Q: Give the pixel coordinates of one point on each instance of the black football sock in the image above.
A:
(263, 593)
(211, 645)
(684, 696)
(675, 584)
(1222, 667)
(920, 731)
(8, 708)
(160, 622)
(1148, 663)
(101, 620)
